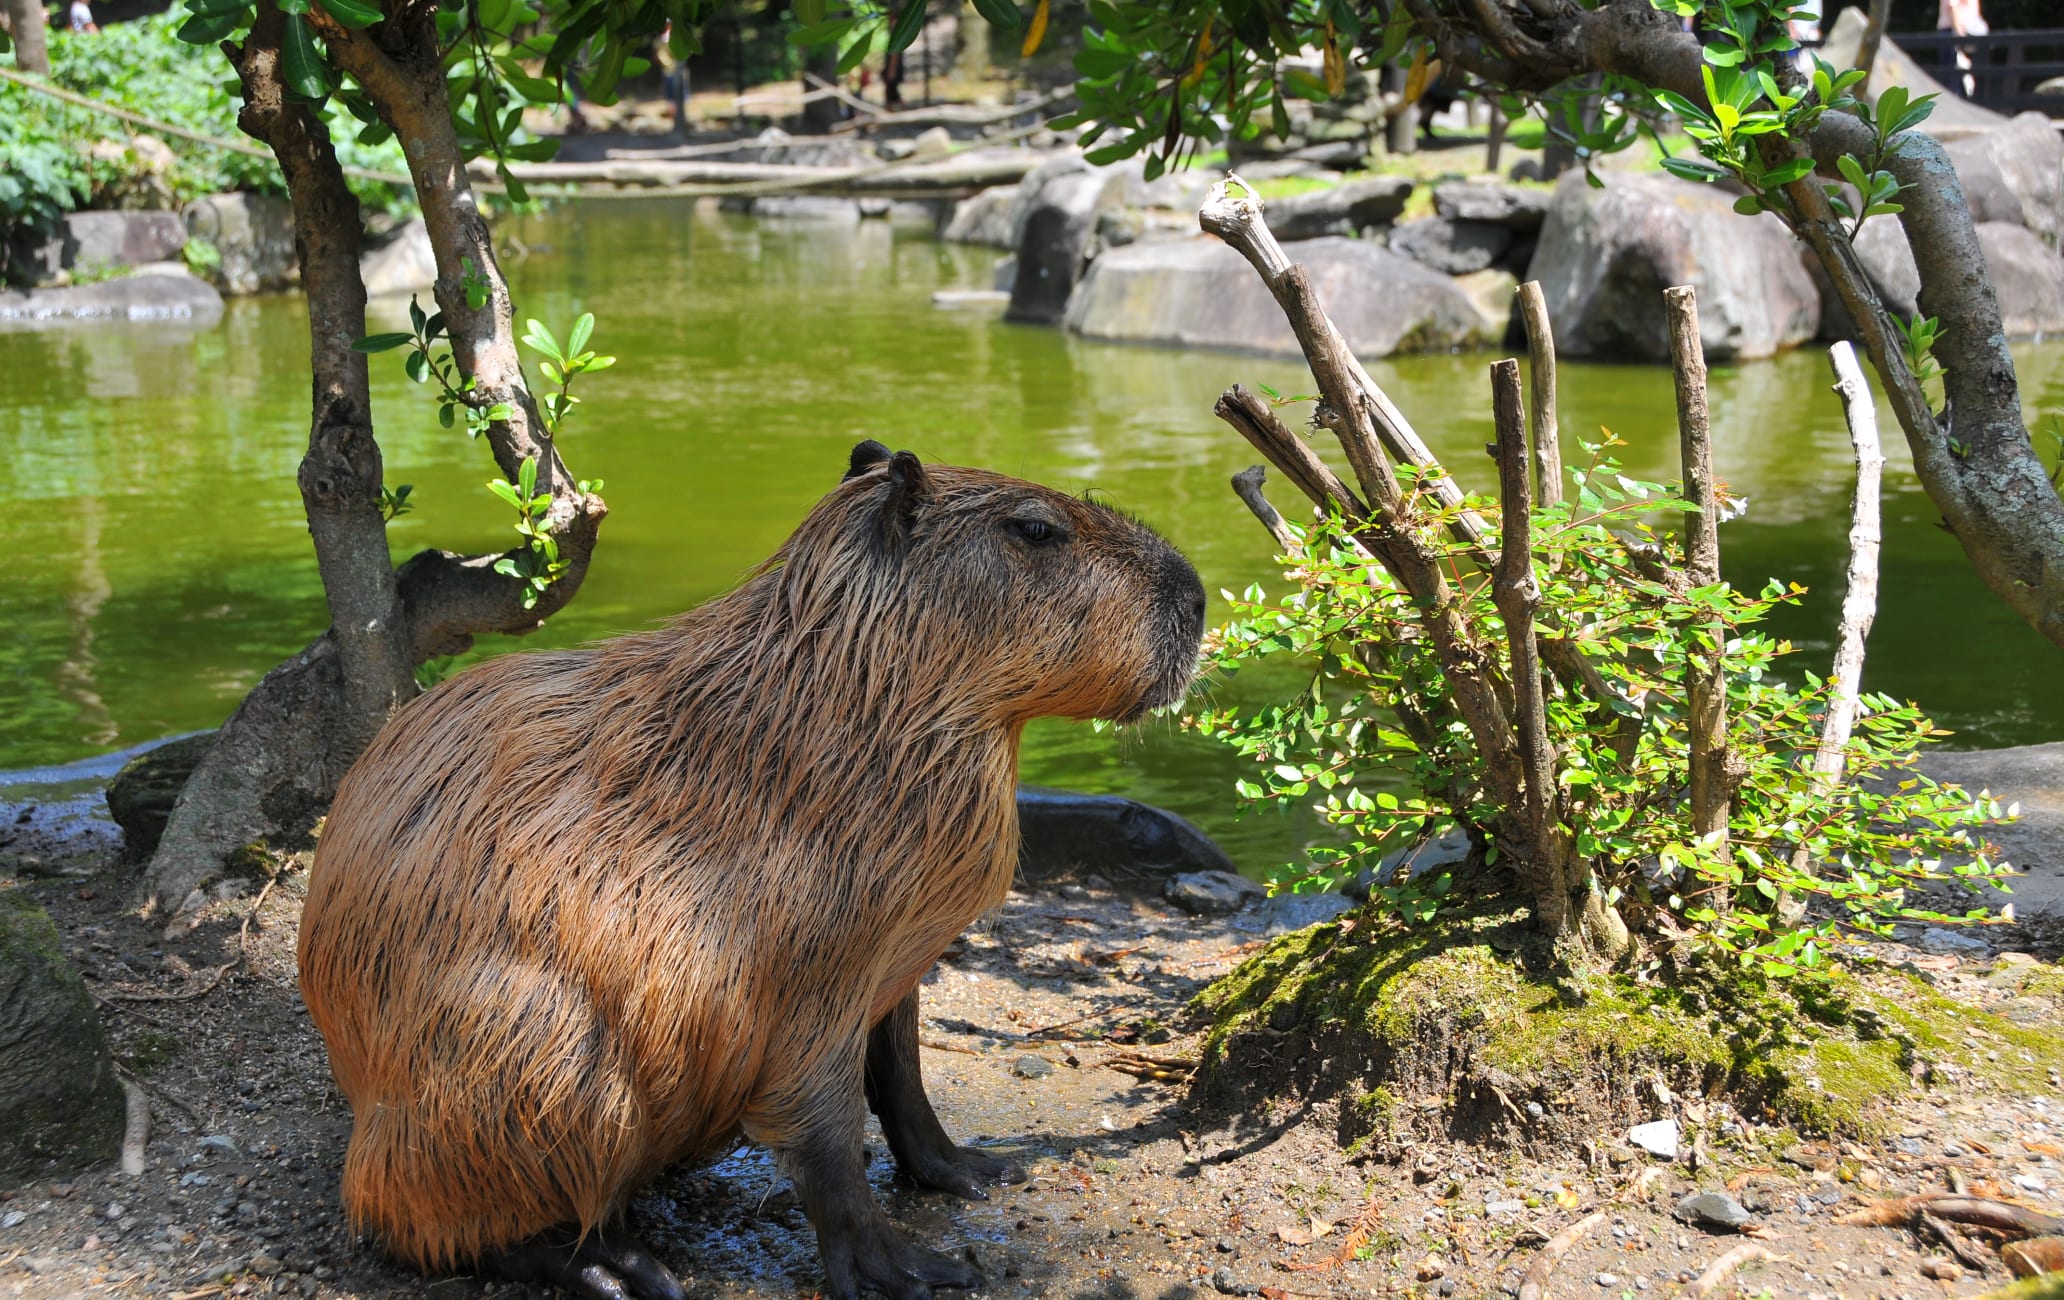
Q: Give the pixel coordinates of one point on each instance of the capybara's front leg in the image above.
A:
(896, 1094)
(861, 1249)
(607, 1264)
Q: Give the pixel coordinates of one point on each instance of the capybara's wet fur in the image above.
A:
(579, 915)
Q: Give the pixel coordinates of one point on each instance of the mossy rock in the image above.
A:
(61, 1107)
(141, 796)
(1467, 1028)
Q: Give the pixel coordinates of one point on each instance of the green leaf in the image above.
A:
(1786, 173)
(809, 12)
(1694, 169)
(293, 6)
(908, 24)
(418, 367)
(503, 489)
(1748, 205)
(582, 328)
(526, 475)
(1000, 14)
(381, 342)
(207, 30)
(302, 66)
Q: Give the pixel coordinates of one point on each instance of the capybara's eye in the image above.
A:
(1036, 531)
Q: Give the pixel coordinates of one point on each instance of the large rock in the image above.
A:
(1200, 293)
(808, 207)
(96, 240)
(253, 236)
(1518, 208)
(61, 1107)
(1211, 893)
(984, 218)
(2029, 277)
(1887, 260)
(1346, 209)
(1606, 255)
(404, 263)
(2015, 173)
(1055, 239)
(1449, 246)
(164, 291)
(1064, 834)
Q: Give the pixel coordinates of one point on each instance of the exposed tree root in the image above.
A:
(1977, 1211)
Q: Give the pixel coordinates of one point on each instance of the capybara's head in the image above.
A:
(1018, 599)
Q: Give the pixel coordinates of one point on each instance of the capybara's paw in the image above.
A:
(963, 1171)
(608, 1264)
(882, 1261)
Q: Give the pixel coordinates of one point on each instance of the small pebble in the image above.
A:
(1607, 1279)
(14, 1219)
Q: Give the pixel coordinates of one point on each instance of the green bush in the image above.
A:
(1374, 740)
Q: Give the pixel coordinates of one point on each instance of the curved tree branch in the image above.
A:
(1980, 468)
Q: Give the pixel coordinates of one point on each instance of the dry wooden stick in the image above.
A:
(1978, 1211)
(1259, 424)
(215, 976)
(1540, 339)
(1518, 595)
(1723, 1268)
(1710, 793)
(1968, 1255)
(1370, 417)
(1536, 1283)
(1247, 484)
(1860, 601)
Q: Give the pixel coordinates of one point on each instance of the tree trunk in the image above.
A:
(822, 113)
(278, 759)
(29, 24)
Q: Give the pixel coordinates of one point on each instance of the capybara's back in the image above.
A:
(578, 915)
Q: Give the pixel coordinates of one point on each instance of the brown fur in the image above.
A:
(579, 915)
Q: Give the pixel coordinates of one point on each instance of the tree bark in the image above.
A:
(283, 750)
(1533, 313)
(28, 23)
(1981, 468)
(1705, 681)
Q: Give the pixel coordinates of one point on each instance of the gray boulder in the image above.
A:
(1287, 912)
(2033, 777)
(1518, 208)
(404, 263)
(2029, 277)
(1056, 239)
(1345, 209)
(61, 1107)
(104, 239)
(1421, 858)
(162, 291)
(1452, 247)
(1200, 293)
(2015, 174)
(1063, 834)
(1211, 893)
(1887, 261)
(253, 234)
(1606, 255)
(984, 218)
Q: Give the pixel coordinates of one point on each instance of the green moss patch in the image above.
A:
(1467, 1028)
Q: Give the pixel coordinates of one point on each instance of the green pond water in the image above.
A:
(158, 563)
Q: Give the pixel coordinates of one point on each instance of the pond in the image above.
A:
(159, 563)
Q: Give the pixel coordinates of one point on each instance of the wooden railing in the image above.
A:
(2005, 67)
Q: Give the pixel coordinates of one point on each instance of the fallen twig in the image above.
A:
(1159, 1069)
(216, 976)
(1536, 1283)
(939, 1044)
(1237, 950)
(1081, 1020)
(1722, 1268)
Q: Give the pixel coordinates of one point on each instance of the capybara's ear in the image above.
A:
(908, 487)
(866, 455)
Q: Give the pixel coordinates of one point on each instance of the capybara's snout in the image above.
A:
(1179, 619)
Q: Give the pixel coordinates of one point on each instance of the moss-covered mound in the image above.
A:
(1468, 1029)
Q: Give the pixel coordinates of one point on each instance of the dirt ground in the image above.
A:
(1130, 1194)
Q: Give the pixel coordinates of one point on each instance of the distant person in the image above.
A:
(1965, 19)
(674, 78)
(892, 80)
(81, 19)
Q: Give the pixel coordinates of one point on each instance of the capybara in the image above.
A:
(579, 915)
